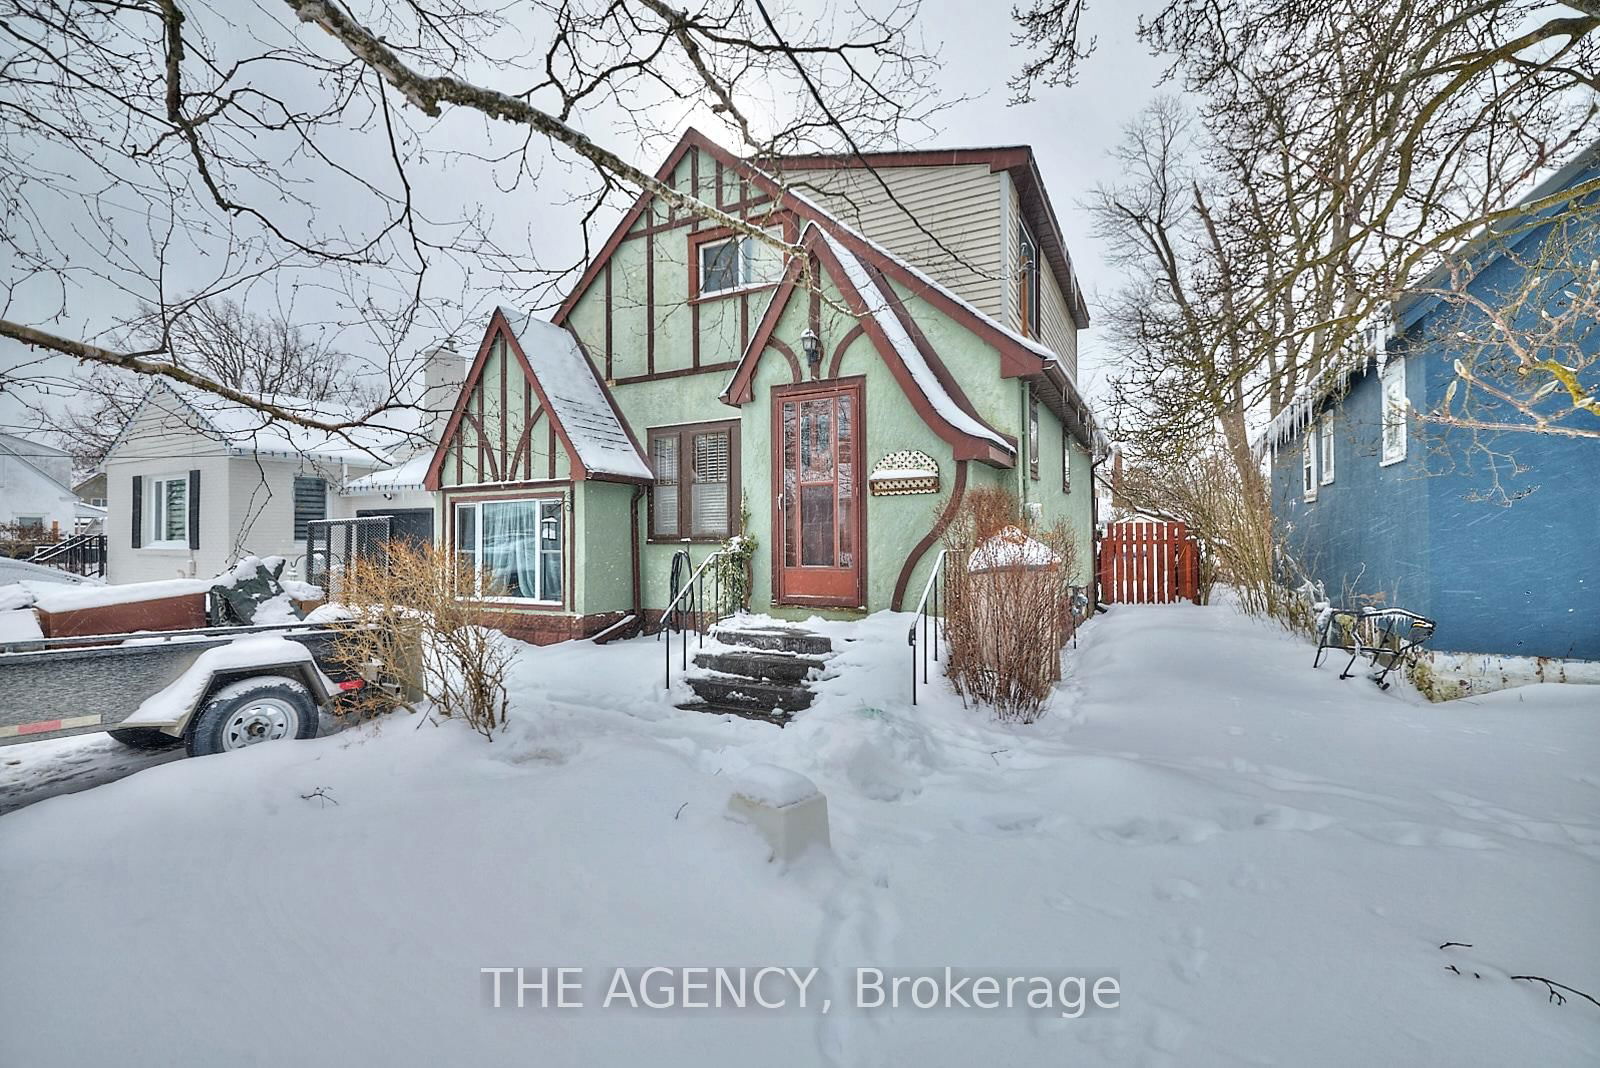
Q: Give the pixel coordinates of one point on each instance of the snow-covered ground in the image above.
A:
(1268, 859)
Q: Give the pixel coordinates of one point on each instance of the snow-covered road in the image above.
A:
(1268, 858)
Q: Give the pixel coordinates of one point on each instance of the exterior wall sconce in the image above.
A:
(811, 345)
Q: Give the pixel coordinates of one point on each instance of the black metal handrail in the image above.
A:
(81, 554)
(689, 607)
(929, 620)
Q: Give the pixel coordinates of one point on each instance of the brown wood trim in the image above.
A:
(957, 491)
(839, 349)
(681, 431)
(705, 368)
(570, 459)
(694, 334)
(504, 399)
(857, 384)
(650, 304)
(688, 222)
(930, 355)
(741, 389)
(998, 159)
(797, 374)
(609, 349)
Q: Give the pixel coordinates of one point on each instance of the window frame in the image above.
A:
(1034, 436)
(1029, 282)
(1325, 448)
(154, 510)
(703, 241)
(685, 434)
(1393, 374)
(540, 500)
(1308, 463)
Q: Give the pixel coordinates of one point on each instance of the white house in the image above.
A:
(195, 482)
(36, 487)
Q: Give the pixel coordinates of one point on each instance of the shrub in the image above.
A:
(1007, 605)
(408, 614)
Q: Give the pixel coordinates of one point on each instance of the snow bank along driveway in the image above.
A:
(1267, 857)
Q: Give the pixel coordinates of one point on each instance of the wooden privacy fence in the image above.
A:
(1144, 562)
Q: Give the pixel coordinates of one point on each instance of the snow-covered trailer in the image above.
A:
(212, 690)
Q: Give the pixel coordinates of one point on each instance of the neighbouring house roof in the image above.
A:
(575, 399)
(246, 431)
(411, 475)
(34, 455)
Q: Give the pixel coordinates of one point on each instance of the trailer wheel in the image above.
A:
(145, 738)
(267, 708)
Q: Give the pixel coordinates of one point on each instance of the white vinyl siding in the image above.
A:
(956, 204)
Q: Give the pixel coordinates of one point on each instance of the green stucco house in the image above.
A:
(837, 406)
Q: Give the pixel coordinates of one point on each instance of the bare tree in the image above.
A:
(159, 153)
(265, 355)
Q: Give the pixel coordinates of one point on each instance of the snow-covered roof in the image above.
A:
(575, 397)
(406, 476)
(247, 431)
(906, 349)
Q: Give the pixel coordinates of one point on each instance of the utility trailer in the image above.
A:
(211, 690)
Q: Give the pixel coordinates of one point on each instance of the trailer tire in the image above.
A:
(260, 709)
(144, 738)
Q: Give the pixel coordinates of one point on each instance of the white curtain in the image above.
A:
(511, 547)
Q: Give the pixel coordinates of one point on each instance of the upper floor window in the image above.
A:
(733, 263)
(1327, 449)
(1393, 380)
(1308, 465)
(1028, 295)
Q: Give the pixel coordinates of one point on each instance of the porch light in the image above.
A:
(811, 344)
(549, 527)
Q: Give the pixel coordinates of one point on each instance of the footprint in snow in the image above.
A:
(1175, 889)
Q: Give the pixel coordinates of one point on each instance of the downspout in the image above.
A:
(633, 530)
(1094, 527)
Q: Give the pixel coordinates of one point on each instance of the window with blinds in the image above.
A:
(696, 481)
(310, 502)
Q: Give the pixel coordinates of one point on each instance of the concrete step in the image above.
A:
(751, 694)
(775, 638)
(719, 708)
(762, 664)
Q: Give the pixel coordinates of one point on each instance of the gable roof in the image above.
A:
(1019, 356)
(598, 441)
(30, 453)
(246, 431)
(932, 390)
(573, 395)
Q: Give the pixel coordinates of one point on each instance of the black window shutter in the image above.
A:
(310, 502)
(138, 511)
(194, 509)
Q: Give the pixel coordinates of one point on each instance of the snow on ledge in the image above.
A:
(775, 787)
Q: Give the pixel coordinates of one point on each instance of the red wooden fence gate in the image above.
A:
(1143, 562)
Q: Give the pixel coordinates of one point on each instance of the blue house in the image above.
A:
(1493, 533)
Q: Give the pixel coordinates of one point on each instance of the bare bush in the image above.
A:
(433, 644)
(1007, 605)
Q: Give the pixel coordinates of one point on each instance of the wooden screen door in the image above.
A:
(818, 510)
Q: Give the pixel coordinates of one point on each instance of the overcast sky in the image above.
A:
(1070, 130)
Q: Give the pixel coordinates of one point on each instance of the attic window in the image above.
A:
(735, 263)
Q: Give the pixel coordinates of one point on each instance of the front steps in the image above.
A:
(764, 679)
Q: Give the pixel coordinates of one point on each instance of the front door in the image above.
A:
(818, 511)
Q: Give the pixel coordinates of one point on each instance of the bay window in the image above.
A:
(516, 548)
